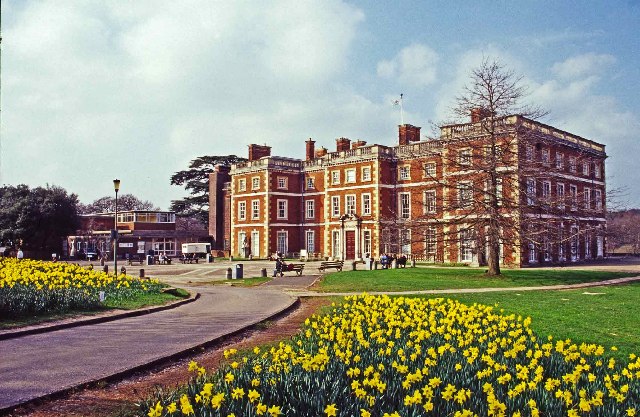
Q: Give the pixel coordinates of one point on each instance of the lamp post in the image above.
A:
(116, 187)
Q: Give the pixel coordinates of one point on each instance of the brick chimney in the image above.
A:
(342, 144)
(311, 146)
(258, 151)
(321, 152)
(408, 133)
(479, 114)
(358, 144)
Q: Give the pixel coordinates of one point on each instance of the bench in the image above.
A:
(138, 259)
(188, 259)
(298, 268)
(331, 264)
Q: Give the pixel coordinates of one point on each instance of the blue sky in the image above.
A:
(94, 90)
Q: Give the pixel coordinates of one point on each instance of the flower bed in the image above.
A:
(381, 356)
(29, 287)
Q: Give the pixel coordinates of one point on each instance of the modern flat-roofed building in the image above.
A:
(423, 198)
(138, 231)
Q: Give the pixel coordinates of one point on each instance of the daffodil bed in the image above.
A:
(29, 287)
(382, 356)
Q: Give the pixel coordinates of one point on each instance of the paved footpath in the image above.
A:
(42, 364)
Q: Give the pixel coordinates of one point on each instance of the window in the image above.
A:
(587, 247)
(335, 177)
(242, 184)
(405, 241)
(597, 172)
(311, 241)
(366, 173)
(546, 249)
(572, 164)
(598, 200)
(255, 243)
(585, 168)
(282, 209)
(430, 170)
(366, 204)
(405, 205)
(282, 183)
(488, 193)
(466, 245)
(559, 160)
(310, 184)
(465, 195)
(533, 254)
(529, 151)
(255, 209)
(531, 191)
(429, 202)
(430, 243)
(242, 210)
(574, 243)
(546, 190)
(366, 242)
(573, 195)
(255, 183)
(464, 157)
(350, 204)
(335, 244)
(560, 195)
(587, 198)
(404, 172)
(350, 175)
(335, 206)
(242, 239)
(546, 156)
(311, 209)
(282, 242)
(561, 256)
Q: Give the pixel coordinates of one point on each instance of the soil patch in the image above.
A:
(119, 399)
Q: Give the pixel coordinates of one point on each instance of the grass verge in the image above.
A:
(141, 301)
(414, 279)
(246, 282)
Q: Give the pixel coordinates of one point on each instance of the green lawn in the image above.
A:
(140, 301)
(609, 316)
(411, 279)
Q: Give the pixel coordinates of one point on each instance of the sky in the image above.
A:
(104, 89)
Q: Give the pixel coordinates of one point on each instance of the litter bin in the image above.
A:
(237, 272)
(149, 259)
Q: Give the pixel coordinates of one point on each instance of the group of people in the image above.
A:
(386, 260)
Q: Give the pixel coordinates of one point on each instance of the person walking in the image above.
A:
(20, 254)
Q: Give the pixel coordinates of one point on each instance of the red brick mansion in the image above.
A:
(423, 198)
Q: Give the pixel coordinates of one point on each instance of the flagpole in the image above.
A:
(401, 111)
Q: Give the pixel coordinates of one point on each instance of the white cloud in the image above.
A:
(136, 89)
(415, 65)
(583, 65)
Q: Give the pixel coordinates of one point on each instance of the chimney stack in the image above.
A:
(408, 133)
(342, 144)
(311, 145)
(258, 151)
(479, 114)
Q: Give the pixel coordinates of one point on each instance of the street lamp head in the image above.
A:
(116, 184)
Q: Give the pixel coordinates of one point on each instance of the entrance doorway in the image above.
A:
(350, 241)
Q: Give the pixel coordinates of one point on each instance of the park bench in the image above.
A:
(138, 259)
(331, 264)
(189, 259)
(298, 268)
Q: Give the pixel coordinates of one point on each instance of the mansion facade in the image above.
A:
(429, 199)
